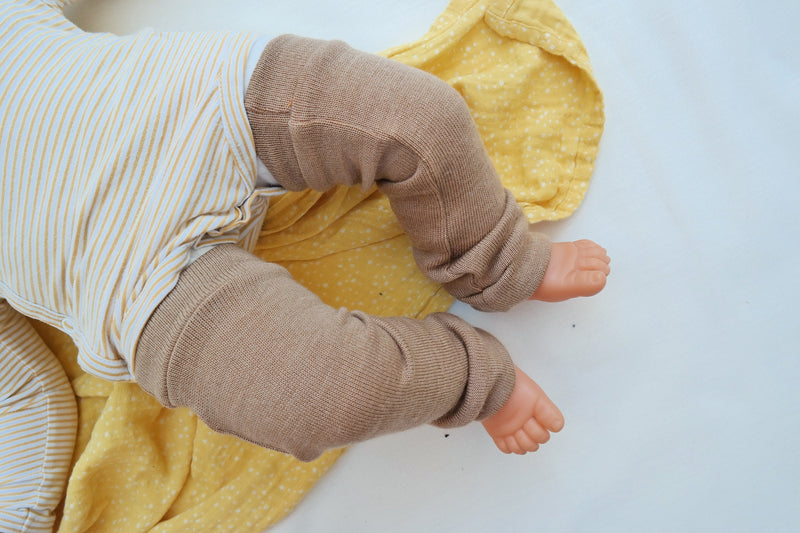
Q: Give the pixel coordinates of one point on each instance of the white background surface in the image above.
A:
(680, 381)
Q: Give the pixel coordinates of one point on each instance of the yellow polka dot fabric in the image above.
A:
(526, 76)
(524, 72)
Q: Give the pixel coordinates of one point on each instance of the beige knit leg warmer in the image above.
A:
(256, 355)
(323, 114)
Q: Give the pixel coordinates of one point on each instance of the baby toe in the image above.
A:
(589, 282)
(501, 445)
(525, 442)
(548, 415)
(586, 244)
(591, 248)
(513, 445)
(593, 264)
(536, 432)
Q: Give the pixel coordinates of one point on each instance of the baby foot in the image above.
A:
(525, 421)
(577, 268)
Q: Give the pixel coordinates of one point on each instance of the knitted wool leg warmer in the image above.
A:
(256, 355)
(323, 114)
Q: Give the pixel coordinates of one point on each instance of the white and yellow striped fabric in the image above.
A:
(38, 421)
(120, 158)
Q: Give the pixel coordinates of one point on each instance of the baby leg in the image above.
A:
(38, 421)
(256, 355)
(323, 114)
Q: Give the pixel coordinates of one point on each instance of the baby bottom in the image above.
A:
(38, 421)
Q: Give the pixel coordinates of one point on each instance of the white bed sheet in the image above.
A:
(678, 382)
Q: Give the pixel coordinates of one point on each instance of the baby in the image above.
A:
(136, 169)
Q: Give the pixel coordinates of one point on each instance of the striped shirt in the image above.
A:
(120, 158)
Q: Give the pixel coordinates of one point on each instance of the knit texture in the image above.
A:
(325, 377)
(324, 114)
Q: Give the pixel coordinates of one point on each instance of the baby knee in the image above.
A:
(433, 118)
